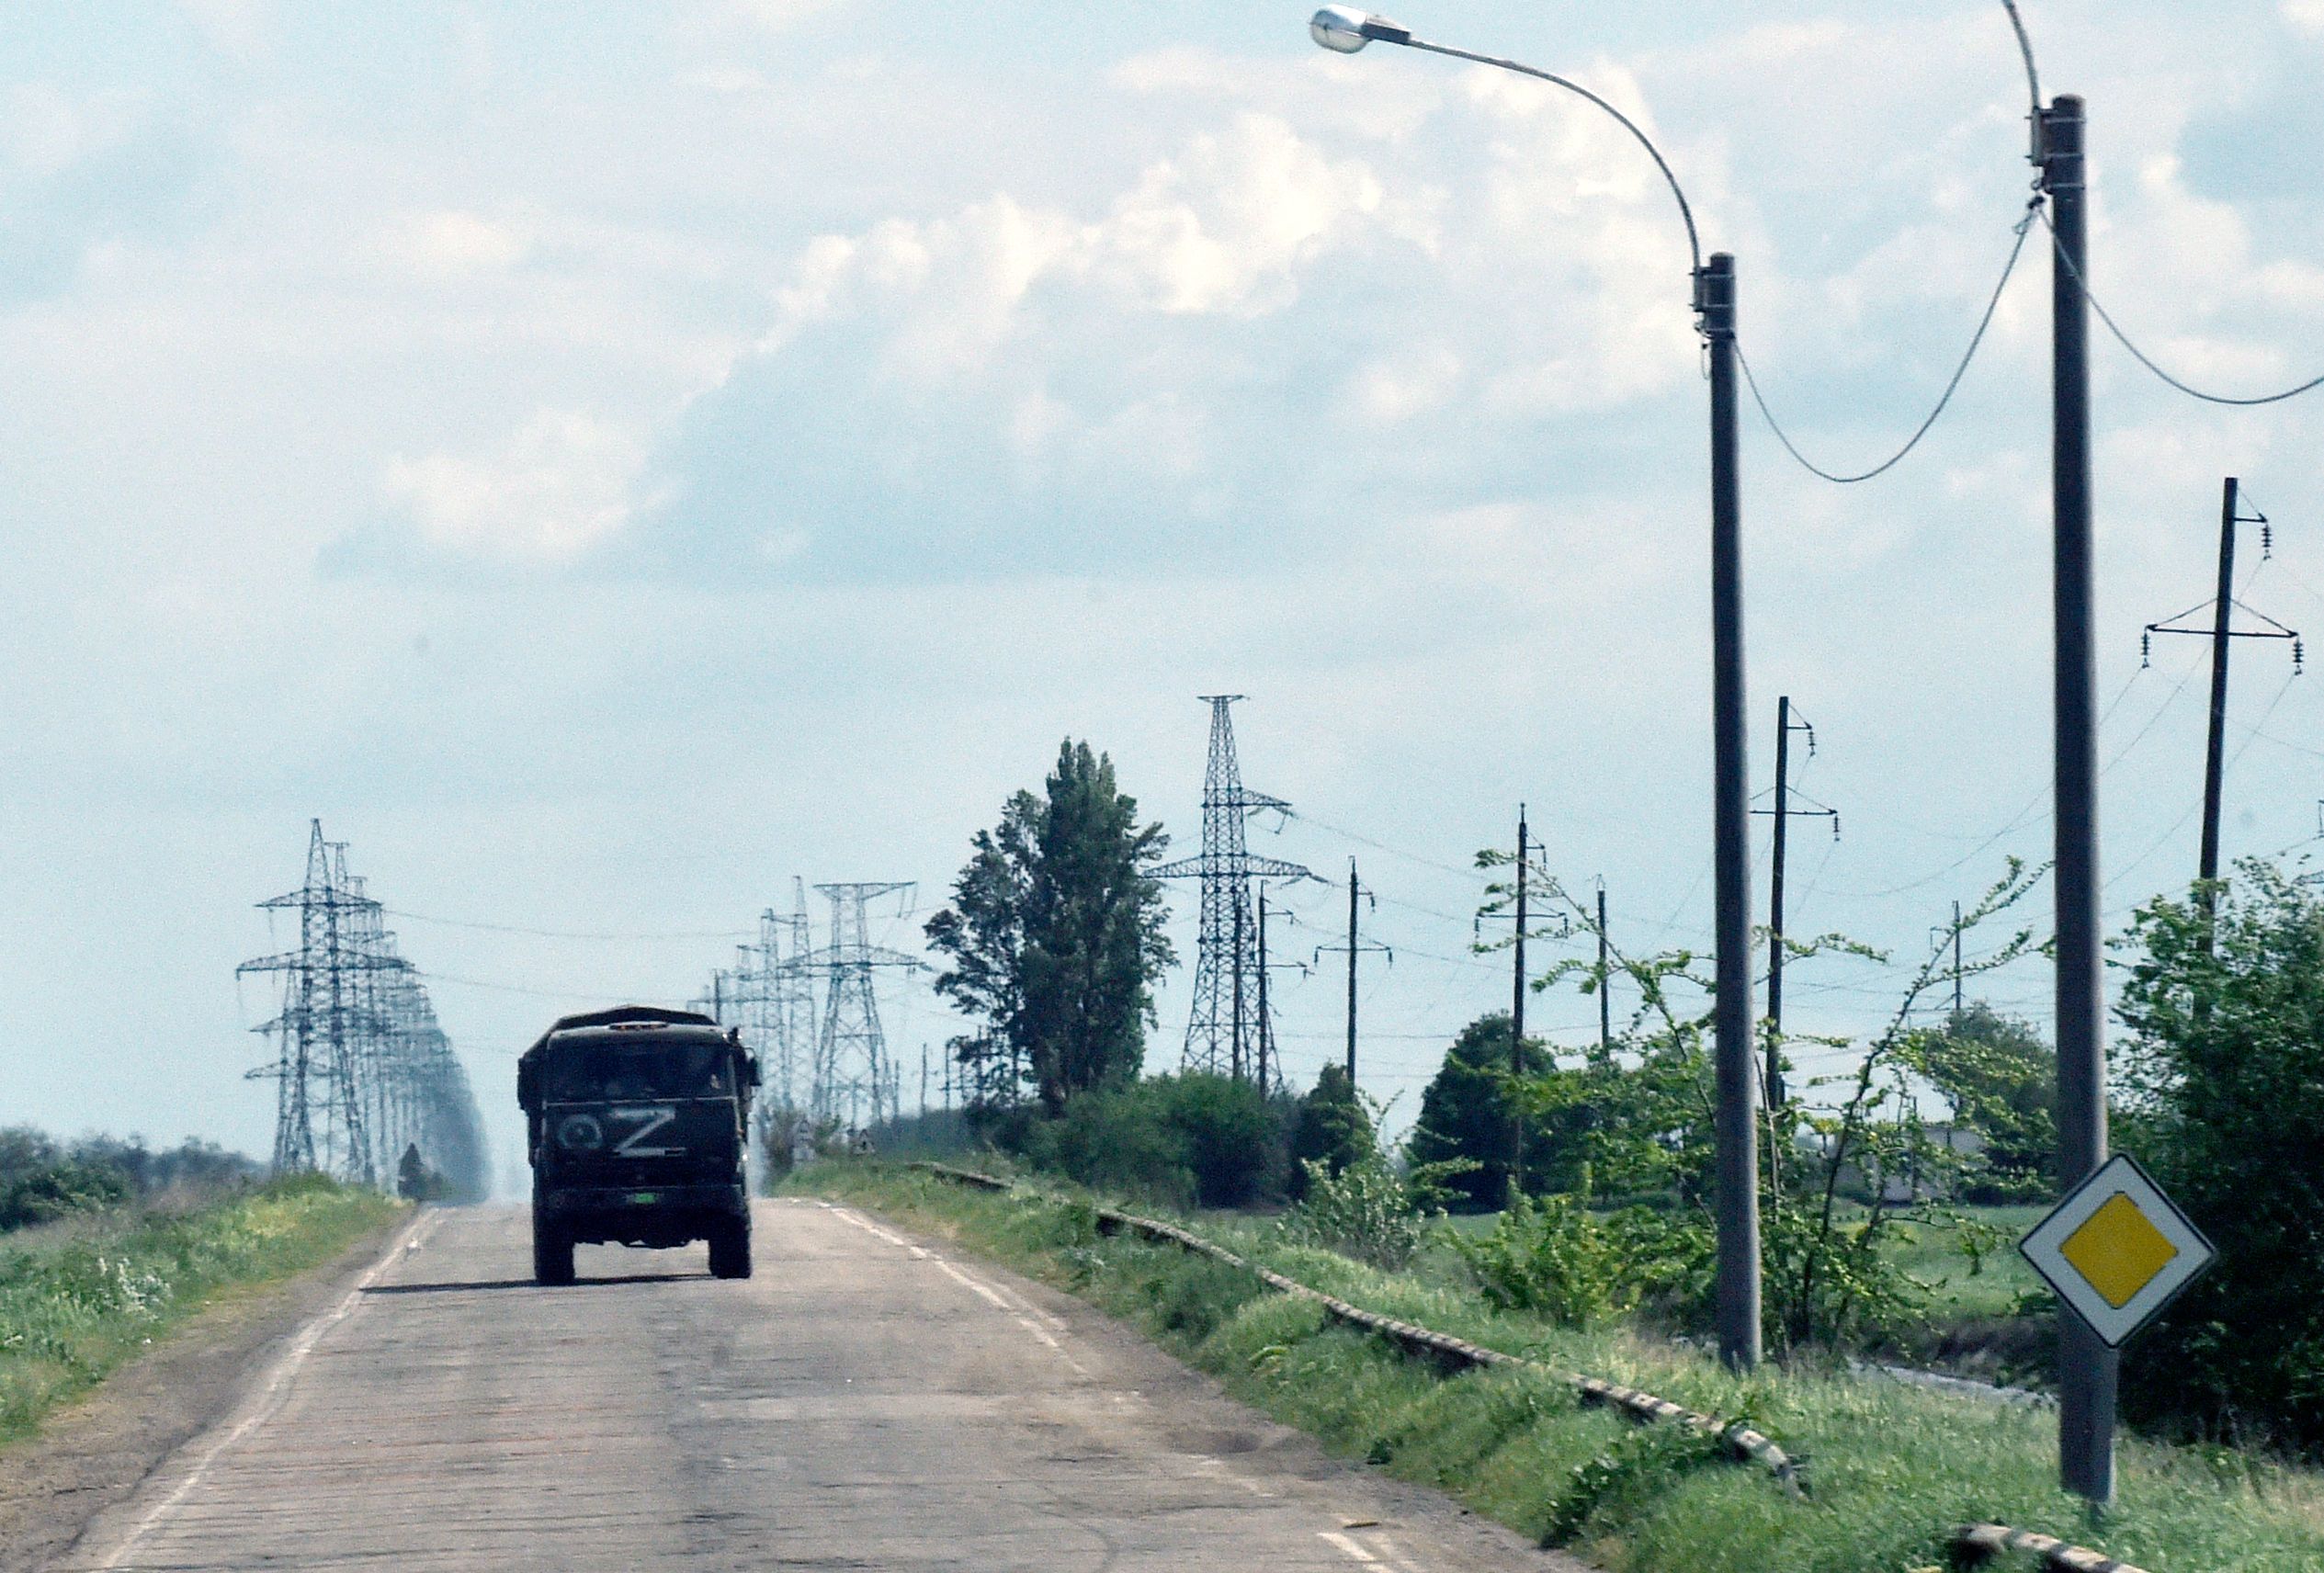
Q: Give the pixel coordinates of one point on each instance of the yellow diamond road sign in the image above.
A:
(2117, 1249)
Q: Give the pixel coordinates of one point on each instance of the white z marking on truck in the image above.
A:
(649, 1121)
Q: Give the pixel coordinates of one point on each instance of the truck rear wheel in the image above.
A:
(552, 1253)
(730, 1249)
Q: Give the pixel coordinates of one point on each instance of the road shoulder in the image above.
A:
(1186, 1409)
(92, 1455)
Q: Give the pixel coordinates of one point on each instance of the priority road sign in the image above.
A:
(2117, 1250)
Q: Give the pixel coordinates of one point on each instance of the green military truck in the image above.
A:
(636, 1122)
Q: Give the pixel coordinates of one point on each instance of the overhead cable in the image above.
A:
(2146, 360)
(2017, 247)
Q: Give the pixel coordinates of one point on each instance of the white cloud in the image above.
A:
(45, 130)
(2305, 15)
(764, 15)
(449, 244)
(1399, 386)
(1224, 226)
(561, 484)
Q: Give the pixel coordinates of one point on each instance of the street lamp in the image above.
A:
(1345, 30)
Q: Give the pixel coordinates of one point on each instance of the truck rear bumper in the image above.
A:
(657, 1216)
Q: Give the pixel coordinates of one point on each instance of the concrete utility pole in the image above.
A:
(1354, 892)
(2222, 633)
(1606, 981)
(1775, 906)
(1786, 724)
(1737, 1186)
(1517, 1172)
(1956, 960)
(1236, 1057)
(2088, 1370)
(2215, 754)
(1356, 945)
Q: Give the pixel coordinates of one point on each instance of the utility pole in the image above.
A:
(1356, 946)
(1782, 812)
(1515, 1176)
(1353, 893)
(2214, 753)
(2221, 632)
(923, 1081)
(1957, 961)
(1736, 1190)
(1605, 983)
(2088, 1370)
(1236, 1059)
(1266, 1021)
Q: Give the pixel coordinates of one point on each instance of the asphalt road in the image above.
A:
(867, 1400)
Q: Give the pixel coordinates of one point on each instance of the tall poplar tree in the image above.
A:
(1055, 936)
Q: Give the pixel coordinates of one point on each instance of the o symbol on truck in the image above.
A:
(581, 1132)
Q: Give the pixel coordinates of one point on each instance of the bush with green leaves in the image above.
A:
(2222, 1083)
(1557, 1259)
(1189, 1139)
(1331, 1127)
(1370, 1211)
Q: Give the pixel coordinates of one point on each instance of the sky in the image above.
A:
(608, 461)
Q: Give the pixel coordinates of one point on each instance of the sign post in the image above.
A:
(2116, 1251)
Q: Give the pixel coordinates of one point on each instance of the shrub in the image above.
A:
(69, 1185)
(1191, 1139)
(1557, 1259)
(2224, 1077)
(1331, 1128)
(1366, 1210)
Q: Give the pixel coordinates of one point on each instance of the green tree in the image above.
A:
(2222, 1087)
(1192, 1138)
(2000, 1079)
(1055, 938)
(1464, 1113)
(1331, 1128)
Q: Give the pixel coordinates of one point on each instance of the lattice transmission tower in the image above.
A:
(852, 1082)
(363, 1071)
(1227, 1027)
(770, 993)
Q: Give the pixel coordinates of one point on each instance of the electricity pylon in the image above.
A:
(851, 1069)
(363, 1071)
(1223, 1032)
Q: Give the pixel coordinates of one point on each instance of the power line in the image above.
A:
(1992, 304)
(564, 933)
(2141, 357)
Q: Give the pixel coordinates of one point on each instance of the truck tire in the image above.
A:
(552, 1254)
(730, 1249)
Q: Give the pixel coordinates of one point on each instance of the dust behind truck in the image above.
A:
(637, 1121)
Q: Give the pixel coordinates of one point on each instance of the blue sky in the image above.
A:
(606, 460)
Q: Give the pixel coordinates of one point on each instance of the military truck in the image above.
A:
(636, 1122)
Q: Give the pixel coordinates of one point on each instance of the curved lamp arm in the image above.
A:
(1344, 29)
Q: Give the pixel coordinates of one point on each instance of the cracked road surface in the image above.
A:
(867, 1400)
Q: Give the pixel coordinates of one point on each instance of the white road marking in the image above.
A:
(1356, 1551)
(1023, 1315)
(262, 1405)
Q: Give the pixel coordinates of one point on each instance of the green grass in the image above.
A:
(1990, 1287)
(79, 1298)
(1892, 1468)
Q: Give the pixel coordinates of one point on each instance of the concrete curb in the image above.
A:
(1971, 1544)
(1979, 1543)
(1741, 1442)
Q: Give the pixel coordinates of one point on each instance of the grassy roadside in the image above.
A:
(78, 1300)
(1892, 1468)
